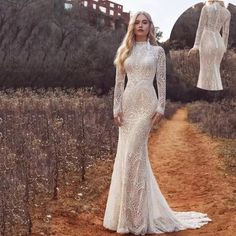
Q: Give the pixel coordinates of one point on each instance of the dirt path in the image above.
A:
(191, 177)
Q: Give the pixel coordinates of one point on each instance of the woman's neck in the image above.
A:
(141, 39)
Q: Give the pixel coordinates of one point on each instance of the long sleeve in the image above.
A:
(201, 24)
(161, 80)
(225, 32)
(118, 92)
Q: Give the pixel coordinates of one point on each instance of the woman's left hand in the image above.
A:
(156, 118)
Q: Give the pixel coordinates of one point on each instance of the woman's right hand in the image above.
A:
(119, 118)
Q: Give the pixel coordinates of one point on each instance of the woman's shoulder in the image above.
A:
(157, 49)
(228, 12)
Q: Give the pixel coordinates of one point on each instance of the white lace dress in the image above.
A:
(211, 44)
(135, 203)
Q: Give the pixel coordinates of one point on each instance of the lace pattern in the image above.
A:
(213, 17)
(135, 203)
(142, 71)
(211, 44)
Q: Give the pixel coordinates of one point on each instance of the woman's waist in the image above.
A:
(140, 82)
(140, 88)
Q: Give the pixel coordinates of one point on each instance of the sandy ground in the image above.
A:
(188, 169)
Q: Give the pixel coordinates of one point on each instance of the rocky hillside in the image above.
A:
(42, 45)
(184, 30)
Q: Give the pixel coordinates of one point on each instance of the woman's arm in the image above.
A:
(225, 32)
(201, 25)
(161, 80)
(118, 92)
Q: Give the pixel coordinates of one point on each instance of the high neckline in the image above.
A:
(141, 42)
(142, 45)
(216, 3)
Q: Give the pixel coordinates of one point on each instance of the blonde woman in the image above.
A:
(211, 44)
(135, 203)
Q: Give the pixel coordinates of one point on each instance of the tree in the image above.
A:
(59, 7)
(159, 33)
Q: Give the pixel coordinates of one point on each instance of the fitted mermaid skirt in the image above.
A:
(211, 49)
(135, 203)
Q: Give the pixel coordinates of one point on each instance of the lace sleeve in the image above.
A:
(225, 31)
(161, 80)
(118, 92)
(201, 25)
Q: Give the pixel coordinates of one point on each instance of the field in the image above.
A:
(48, 139)
(58, 146)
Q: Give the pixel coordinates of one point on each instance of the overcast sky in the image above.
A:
(164, 12)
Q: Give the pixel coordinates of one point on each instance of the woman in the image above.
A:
(135, 203)
(210, 43)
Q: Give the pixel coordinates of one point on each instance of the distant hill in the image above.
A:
(44, 45)
(184, 30)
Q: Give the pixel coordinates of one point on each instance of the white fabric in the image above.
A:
(211, 44)
(135, 203)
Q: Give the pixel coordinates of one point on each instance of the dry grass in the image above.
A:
(48, 140)
(187, 68)
(217, 118)
(227, 150)
(171, 108)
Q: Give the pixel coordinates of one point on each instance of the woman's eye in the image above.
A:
(143, 22)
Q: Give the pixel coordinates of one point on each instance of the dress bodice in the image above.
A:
(216, 16)
(143, 63)
(213, 17)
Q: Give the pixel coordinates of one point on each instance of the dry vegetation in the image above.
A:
(217, 118)
(48, 139)
(186, 70)
(43, 45)
(171, 108)
(214, 112)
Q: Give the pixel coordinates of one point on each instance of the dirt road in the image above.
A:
(191, 176)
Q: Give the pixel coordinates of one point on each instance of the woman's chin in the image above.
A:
(140, 34)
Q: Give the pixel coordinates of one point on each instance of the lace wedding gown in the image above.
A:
(211, 44)
(135, 203)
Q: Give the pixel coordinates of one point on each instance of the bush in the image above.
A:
(217, 118)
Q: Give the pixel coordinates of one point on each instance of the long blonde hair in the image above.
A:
(221, 2)
(129, 40)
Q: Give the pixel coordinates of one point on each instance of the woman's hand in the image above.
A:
(119, 118)
(192, 50)
(156, 118)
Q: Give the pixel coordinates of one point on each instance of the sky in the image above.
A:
(164, 12)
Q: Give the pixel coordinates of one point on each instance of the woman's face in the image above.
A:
(141, 26)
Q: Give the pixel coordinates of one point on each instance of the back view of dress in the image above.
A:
(211, 44)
